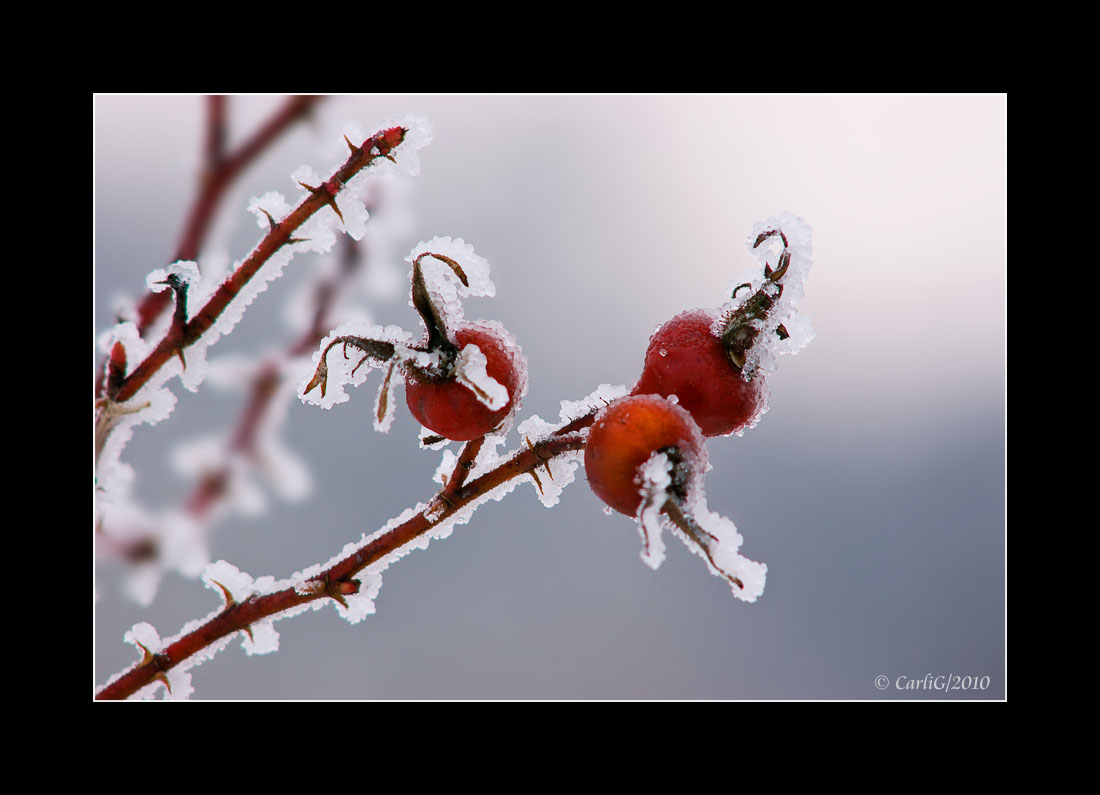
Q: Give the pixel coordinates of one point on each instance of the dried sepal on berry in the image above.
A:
(646, 457)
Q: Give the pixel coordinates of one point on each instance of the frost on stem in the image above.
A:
(138, 370)
(551, 479)
(347, 355)
(449, 368)
(711, 536)
(309, 227)
(761, 321)
(176, 682)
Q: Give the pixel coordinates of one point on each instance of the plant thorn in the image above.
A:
(229, 600)
(324, 194)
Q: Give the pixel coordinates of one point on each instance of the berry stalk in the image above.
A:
(742, 325)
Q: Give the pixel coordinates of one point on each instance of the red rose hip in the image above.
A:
(450, 406)
(626, 434)
(686, 358)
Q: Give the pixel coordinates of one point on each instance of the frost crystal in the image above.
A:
(271, 203)
(178, 686)
(604, 395)
(553, 476)
(347, 365)
(654, 481)
(443, 283)
(762, 356)
(714, 537)
(471, 372)
(236, 583)
(725, 550)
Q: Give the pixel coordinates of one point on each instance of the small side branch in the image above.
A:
(380, 350)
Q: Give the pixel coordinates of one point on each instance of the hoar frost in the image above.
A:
(721, 543)
(761, 357)
(443, 283)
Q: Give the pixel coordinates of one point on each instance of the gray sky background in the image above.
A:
(874, 488)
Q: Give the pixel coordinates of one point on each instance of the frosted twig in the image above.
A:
(336, 581)
(694, 532)
(214, 185)
(220, 171)
(378, 146)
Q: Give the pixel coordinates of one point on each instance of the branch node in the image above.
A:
(537, 449)
(271, 221)
(326, 193)
(339, 589)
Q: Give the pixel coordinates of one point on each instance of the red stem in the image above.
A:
(177, 339)
(216, 132)
(238, 616)
(220, 172)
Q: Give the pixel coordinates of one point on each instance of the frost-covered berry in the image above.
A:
(624, 438)
(686, 358)
(480, 391)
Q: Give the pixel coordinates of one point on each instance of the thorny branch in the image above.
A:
(220, 170)
(183, 334)
(337, 581)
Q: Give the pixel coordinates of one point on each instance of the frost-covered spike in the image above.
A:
(534, 472)
(145, 637)
(271, 206)
(177, 684)
(236, 585)
(545, 464)
(229, 600)
(327, 193)
(261, 638)
(603, 395)
(535, 429)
